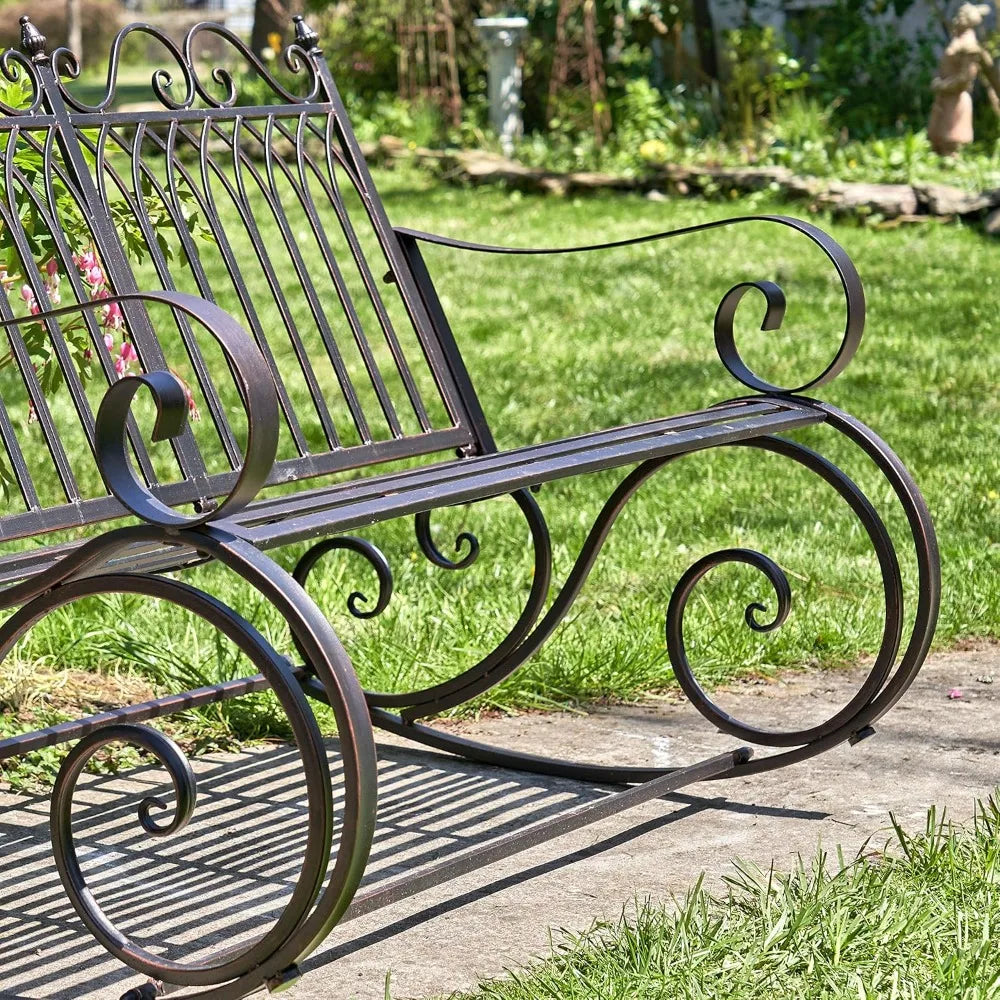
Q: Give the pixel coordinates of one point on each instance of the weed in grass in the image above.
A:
(911, 922)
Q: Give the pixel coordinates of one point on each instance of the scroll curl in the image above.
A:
(422, 526)
(854, 296)
(17, 67)
(257, 393)
(296, 59)
(376, 558)
(247, 965)
(65, 64)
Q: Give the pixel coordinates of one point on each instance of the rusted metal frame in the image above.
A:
(140, 169)
(333, 351)
(269, 191)
(361, 177)
(19, 349)
(335, 133)
(333, 269)
(240, 162)
(114, 259)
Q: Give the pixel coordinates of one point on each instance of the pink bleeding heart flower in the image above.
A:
(113, 316)
(109, 341)
(955, 693)
(52, 267)
(88, 354)
(27, 294)
(126, 358)
(86, 260)
(95, 275)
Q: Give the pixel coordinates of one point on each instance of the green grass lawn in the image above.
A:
(564, 345)
(912, 922)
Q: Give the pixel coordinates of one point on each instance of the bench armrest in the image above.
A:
(253, 382)
(724, 336)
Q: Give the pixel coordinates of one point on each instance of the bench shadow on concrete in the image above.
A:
(225, 877)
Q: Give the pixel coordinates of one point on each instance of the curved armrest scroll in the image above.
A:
(725, 342)
(253, 382)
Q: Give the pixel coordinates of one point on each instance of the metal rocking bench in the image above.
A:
(296, 243)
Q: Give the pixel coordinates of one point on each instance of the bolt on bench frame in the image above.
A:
(303, 145)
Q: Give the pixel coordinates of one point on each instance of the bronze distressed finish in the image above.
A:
(386, 382)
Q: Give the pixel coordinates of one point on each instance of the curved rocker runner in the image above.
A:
(334, 359)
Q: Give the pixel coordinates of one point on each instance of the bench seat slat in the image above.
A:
(346, 506)
(490, 475)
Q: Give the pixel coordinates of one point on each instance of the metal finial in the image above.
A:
(305, 35)
(32, 40)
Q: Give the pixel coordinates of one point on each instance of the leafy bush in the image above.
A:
(874, 78)
(418, 122)
(761, 73)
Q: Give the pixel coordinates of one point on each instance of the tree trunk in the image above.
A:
(74, 28)
(704, 33)
(270, 17)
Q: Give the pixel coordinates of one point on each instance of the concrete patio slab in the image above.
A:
(218, 882)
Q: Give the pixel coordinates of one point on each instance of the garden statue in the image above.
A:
(950, 125)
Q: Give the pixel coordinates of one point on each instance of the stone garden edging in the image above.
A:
(888, 204)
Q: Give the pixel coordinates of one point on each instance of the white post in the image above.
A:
(502, 36)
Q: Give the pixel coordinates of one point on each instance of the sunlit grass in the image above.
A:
(564, 345)
(915, 920)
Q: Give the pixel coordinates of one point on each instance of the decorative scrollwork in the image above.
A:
(65, 64)
(725, 341)
(296, 59)
(362, 547)
(253, 382)
(247, 966)
(422, 526)
(686, 585)
(257, 393)
(500, 661)
(16, 67)
(886, 681)
(145, 738)
(893, 623)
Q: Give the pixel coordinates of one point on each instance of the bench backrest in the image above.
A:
(268, 210)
